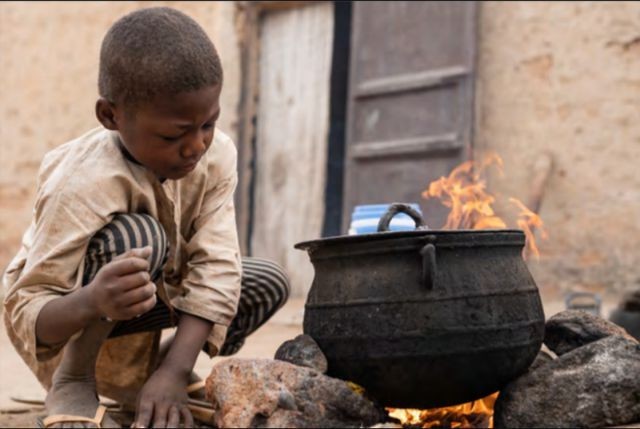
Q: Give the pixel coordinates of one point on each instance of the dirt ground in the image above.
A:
(17, 381)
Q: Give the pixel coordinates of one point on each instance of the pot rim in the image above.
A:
(514, 236)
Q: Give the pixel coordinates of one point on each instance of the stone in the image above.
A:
(571, 329)
(303, 351)
(594, 385)
(273, 393)
(544, 356)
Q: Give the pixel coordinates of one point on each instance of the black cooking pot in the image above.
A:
(424, 318)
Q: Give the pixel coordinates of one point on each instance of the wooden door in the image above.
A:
(410, 100)
(292, 132)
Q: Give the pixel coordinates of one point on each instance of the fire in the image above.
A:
(476, 414)
(464, 191)
(527, 221)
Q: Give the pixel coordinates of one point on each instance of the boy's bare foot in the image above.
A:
(75, 396)
(73, 385)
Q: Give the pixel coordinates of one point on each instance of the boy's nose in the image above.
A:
(194, 147)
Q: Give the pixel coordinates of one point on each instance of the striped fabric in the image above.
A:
(123, 233)
(264, 288)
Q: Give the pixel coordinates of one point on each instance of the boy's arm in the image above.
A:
(163, 399)
(52, 329)
(211, 293)
(66, 216)
(211, 286)
(121, 290)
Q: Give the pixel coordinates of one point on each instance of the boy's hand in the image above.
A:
(122, 289)
(162, 402)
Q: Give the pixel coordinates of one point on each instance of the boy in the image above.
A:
(134, 231)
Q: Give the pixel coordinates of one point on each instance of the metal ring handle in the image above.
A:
(394, 209)
(596, 301)
(429, 267)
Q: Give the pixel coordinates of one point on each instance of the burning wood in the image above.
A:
(464, 192)
(476, 414)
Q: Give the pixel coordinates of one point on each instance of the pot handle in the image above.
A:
(592, 306)
(429, 267)
(394, 209)
(428, 252)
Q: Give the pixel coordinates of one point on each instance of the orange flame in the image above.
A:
(527, 221)
(464, 192)
(476, 414)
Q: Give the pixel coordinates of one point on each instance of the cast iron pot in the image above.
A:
(424, 318)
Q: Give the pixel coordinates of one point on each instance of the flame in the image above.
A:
(527, 221)
(464, 191)
(476, 414)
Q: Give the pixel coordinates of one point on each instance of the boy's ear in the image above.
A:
(106, 114)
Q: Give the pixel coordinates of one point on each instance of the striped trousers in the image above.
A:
(264, 285)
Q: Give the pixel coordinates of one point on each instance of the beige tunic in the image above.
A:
(81, 186)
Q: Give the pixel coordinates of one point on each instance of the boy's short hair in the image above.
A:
(155, 51)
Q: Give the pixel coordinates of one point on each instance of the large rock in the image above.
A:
(271, 393)
(571, 329)
(303, 351)
(593, 386)
(544, 356)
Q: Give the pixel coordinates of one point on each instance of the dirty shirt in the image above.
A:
(82, 185)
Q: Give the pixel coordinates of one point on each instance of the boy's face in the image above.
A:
(170, 134)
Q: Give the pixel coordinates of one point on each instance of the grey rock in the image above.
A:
(267, 393)
(595, 385)
(303, 351)
(544, 356)
(571, 329)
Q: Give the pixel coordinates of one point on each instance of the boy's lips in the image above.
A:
(190, 166)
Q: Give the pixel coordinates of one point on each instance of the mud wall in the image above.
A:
(563, 78)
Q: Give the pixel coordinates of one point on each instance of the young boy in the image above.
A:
(134, 231)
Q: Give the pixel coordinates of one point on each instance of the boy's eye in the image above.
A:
(208, 126)
(170, 138)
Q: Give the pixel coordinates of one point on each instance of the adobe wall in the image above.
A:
(564, 78)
